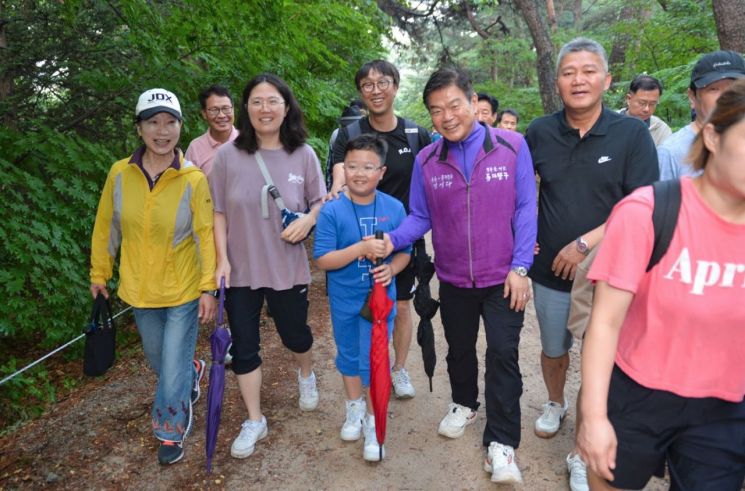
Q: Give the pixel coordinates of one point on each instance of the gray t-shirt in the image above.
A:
(671, 155)
(258, 257)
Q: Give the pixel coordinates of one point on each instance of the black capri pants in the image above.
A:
(289, 309)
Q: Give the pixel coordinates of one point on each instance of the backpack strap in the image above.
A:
(667, 197)
(353, 130)
(411, 129)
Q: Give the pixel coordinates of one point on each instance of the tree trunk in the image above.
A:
(551, 10)
(729, 16)
(577, 14)
(544, 54)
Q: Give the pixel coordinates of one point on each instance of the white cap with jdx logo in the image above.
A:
(156, 101)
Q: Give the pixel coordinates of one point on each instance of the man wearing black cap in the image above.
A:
(711, 76)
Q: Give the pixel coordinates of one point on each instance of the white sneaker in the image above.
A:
(548, 424)
(351, 430)
(500, 462)
(577, 473)
(453, 425)
(402, 384)
(372, 450)
(308, 393)
(251, 432)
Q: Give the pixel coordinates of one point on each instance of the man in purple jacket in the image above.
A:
(475, 189)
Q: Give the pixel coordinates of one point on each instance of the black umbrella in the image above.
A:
(426, 307)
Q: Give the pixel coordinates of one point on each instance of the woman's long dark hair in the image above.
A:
(292, 133)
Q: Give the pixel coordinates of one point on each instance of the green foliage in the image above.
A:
(69, 80)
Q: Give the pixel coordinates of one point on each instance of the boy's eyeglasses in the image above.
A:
(361, 169)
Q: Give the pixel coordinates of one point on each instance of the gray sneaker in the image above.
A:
(402, 384)
(577, 473)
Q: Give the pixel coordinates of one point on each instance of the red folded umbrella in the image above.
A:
(380, 369)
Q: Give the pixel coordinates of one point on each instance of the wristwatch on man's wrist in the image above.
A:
(582, 245)
(520, 270)
(212, 293)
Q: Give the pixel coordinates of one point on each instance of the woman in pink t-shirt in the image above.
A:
(663, 364)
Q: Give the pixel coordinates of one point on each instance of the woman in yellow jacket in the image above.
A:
(157, 207)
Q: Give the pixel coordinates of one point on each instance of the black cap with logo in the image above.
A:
(717, 66)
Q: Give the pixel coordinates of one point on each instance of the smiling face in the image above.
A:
(378, 92)
(160, 133)
(484, 113)
(363, 170)
(581, 81)
(453, 114)
(214, 113)
(266, 110)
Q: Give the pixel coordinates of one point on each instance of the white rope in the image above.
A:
(55, 351)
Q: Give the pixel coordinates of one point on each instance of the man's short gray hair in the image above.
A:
(582, 44)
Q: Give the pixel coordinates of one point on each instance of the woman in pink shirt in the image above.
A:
(663, 365)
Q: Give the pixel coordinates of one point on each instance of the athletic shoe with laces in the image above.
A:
(251, 432)
(548, 424)
(170, 452)
(500, 463)
(402, 384)
(453, 425)
(372, 450)
(200, 366)
(577, 473)
(351, 430)
(308, 400)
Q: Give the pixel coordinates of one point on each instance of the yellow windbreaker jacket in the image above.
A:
(167, 244)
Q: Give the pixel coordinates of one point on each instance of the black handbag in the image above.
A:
(100, 339)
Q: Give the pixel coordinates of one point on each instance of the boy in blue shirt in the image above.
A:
(344, 246)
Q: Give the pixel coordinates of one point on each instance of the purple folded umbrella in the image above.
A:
(219, 341)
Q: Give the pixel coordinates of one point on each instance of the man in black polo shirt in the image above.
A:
(377, 83)
(588, 157)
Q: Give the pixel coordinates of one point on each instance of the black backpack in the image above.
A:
(667, 196)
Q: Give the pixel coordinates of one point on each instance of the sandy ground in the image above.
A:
(99, 438)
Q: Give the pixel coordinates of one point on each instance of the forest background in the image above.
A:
(71, 71)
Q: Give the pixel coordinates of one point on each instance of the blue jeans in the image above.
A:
(169, 338)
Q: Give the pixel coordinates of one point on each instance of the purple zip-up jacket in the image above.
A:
(481, 226)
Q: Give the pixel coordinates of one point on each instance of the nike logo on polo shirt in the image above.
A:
(604, 159)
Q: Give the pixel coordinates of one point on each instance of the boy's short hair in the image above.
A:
(371, 142)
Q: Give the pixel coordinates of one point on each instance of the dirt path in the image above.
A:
(99, 438)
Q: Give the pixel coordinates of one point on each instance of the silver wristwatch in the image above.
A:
(520, 271)
(582, 245)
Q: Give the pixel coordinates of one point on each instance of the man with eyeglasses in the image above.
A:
(641, 102)
(217, 110)
(377, 82)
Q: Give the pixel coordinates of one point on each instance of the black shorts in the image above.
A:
(406, 279)
(405, 282)
(702, 440)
